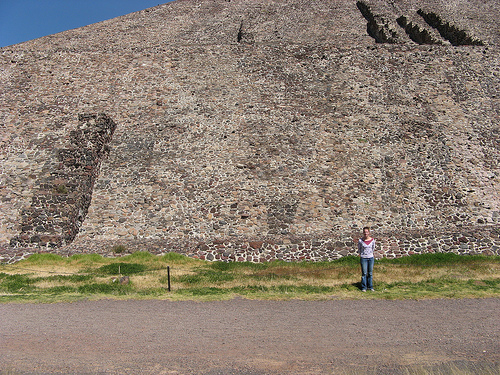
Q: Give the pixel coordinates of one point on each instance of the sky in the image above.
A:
(22, 20)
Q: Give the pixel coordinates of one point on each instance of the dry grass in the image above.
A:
(440, 276)
(404, 273)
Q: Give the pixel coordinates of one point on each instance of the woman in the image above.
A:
(366, 247)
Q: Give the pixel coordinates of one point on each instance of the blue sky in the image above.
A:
(22, 20)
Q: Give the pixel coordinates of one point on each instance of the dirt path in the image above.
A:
(249, 337)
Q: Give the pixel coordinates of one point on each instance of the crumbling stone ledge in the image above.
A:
(449, 32)
(416, 33)
(63, 194)
(377, 27)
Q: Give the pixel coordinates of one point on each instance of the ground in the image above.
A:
(250, 337)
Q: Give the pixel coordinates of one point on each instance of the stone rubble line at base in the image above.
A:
(484, 242)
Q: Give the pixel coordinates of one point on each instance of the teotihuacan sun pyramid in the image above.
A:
(252, 130)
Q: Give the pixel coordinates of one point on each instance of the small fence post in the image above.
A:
(168, 277)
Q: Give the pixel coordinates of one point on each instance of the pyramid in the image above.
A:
(253, 130)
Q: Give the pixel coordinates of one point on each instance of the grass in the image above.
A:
(52, 278)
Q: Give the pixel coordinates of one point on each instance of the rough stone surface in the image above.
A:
(63, 193)
(258, 130)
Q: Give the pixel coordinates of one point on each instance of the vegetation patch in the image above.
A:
(104, 288)
(15, 283)
(119, 249)
(121, 269)
(50, 278)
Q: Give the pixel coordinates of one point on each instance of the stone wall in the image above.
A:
(466, 242)
(286, 124)
(63, 192)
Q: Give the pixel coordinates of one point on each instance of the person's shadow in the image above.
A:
(357, 284)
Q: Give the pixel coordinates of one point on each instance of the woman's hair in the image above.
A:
(366, 228)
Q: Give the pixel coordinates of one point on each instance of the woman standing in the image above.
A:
(366, 247)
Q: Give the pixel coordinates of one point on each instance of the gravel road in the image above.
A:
(250, 337)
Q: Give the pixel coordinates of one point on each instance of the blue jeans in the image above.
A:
(367, 273)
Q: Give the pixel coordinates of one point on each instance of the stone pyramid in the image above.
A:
(256, 130)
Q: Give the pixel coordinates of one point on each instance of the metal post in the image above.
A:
(168, 277)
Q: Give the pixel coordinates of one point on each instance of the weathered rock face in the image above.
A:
(62, 196)
(251, 130)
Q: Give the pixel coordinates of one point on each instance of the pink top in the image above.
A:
(366, 248)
